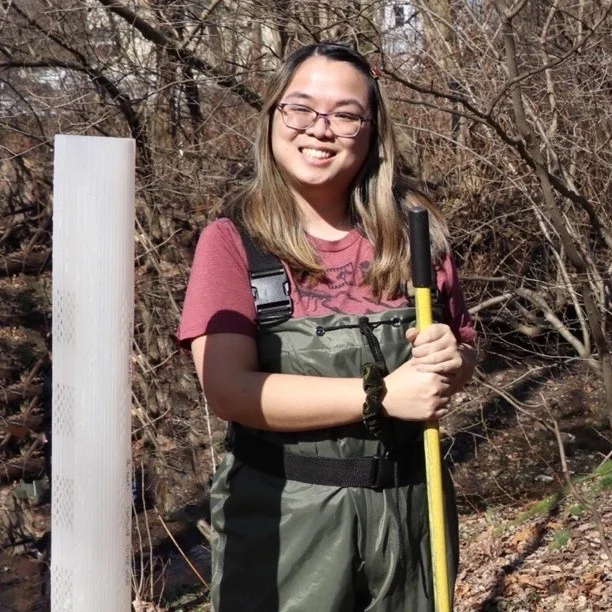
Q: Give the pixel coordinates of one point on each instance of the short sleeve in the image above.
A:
(218, 297)
(460, 320)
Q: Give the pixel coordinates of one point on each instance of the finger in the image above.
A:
(432, 353)
(411, 334)
(438, 357)
(447, 353)
(447, 367)
(432, 334)
(438, 379)
(442, 408)
(434, 344)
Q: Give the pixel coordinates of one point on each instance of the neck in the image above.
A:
(324, 218)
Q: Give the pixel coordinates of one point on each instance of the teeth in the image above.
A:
(316, 153)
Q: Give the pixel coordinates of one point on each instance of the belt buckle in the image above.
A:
(379, 474)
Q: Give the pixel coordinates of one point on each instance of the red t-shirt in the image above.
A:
(219, 298)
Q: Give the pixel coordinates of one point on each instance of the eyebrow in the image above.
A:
(304, 96)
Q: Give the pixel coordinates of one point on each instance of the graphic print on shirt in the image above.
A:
(316, 301)
(386, 305)
(340, 294)
(330, 297)
(363, 266)
(341, 276)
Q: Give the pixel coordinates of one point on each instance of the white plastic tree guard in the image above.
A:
(93, 306)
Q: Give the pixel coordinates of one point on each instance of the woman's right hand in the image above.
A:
(416, 396)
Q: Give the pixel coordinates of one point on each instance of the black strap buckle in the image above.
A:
(270, 290)
(381, 472)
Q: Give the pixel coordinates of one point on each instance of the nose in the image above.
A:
(320, 128)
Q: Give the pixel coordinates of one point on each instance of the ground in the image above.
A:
(543, 557)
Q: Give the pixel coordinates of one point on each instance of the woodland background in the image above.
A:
(505, 112)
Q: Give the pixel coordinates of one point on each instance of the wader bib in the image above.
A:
(326, 520)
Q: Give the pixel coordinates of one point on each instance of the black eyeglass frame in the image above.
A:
(325, 116)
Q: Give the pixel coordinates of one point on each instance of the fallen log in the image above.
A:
(12, 397)
(20, 428)
(32, 263)
(27, 470)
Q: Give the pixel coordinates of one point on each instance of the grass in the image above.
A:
(603, 477)
(188, 600)
(541, 508)
(576, 509)
(597, 481)
(560, 539)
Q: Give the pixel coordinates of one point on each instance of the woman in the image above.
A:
(302, 332)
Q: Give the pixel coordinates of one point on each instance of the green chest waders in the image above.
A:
(326, 520)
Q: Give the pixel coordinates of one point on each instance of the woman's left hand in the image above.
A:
(435, 349)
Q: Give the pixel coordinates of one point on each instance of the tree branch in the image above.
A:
(183, 55)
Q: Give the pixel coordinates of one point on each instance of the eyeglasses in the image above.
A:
(344, 125)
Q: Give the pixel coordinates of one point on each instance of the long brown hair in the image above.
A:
(379, 200)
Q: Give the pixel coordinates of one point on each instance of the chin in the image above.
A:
(314, 184)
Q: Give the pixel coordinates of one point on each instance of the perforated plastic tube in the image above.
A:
(93, 305)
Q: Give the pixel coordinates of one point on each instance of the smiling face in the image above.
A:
(317, 165)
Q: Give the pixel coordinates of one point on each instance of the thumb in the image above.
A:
(411, 334)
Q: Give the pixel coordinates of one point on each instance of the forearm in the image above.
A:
(227, 367)
(285, 402)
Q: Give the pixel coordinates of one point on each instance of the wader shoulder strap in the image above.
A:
(269, 283)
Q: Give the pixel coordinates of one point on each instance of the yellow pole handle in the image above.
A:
(433, 457)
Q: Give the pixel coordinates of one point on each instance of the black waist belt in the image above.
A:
(370, 472)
